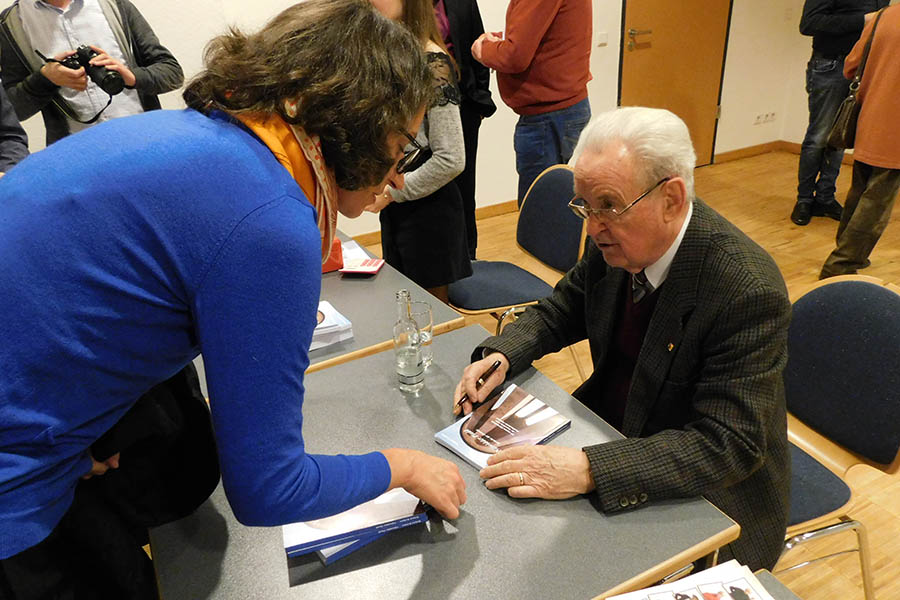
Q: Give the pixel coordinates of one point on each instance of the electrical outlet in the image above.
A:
(759, 119)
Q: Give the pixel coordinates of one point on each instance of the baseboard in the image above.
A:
(776, 146)
(485, 212)
(493, 210)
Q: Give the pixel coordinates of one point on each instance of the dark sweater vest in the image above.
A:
(631, 325)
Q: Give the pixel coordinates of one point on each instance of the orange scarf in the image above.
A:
(301, 155)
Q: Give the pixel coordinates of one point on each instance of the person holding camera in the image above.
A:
(117, 68)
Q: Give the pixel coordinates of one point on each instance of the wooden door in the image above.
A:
(673, 55)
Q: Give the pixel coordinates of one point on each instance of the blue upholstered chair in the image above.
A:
(842, 386)
(548, 231)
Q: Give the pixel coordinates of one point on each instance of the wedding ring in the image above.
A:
(521, 478)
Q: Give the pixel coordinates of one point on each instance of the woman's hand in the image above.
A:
(381, 200)
(435, 481)
(472, 384)
(99, 468)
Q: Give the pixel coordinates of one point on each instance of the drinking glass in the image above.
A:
(421, 314)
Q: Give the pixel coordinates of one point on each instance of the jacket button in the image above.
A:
(633, 500)
(643, 497)
(623, 502)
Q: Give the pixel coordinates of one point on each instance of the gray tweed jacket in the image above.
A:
(705, 414)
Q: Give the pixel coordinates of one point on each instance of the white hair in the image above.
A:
(658, 140)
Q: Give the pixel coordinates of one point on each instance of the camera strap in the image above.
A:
(64, 107)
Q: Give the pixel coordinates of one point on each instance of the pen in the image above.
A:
(484, 377)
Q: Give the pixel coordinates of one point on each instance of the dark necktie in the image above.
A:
(640, 287)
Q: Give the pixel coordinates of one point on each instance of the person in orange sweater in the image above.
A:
(542, 65)
(876, 166)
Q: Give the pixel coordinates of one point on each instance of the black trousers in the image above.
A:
(465, 181)
(168, 467)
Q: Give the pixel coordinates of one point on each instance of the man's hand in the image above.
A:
(62, 76)
(433, 480)
(550, 472)
(105, 60)
(487, 36)
(869, 16)
(469, 382)
(99, 468)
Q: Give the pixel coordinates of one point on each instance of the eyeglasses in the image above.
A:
(414, 158)
(583, 211)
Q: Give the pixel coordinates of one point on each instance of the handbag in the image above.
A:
(843, 130)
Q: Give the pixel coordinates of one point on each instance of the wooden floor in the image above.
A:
(757, 194)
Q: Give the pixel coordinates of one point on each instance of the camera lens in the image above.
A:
(109, 81)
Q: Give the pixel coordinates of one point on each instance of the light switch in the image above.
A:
(602, 39)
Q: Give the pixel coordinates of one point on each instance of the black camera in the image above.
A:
(110, 82)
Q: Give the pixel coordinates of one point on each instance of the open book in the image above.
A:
(393, 509)
(509, 417)
(332, 327)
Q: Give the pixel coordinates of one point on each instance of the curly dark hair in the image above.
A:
(356, 75)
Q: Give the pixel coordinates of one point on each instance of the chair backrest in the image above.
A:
(547, 229)
(842, 377)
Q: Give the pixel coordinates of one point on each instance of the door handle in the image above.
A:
(633, 33)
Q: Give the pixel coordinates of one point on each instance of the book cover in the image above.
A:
(332, 553)
(332, 327)
(393, 509)
(509, 417)
(362, 266)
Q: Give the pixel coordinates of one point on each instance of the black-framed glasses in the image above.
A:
(414, 158)
(583, 211)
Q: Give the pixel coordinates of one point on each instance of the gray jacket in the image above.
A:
(155, 69)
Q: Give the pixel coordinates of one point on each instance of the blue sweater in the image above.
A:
(126, 250)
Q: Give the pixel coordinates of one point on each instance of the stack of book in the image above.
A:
(728, 581)
(337, 536)
(332, 327)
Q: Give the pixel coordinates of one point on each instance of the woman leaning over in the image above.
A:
(423, 229)
(204, 231)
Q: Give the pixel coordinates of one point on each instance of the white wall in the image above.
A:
(764, 73)
(765, 70)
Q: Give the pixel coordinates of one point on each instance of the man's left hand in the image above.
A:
(105, 60)
(550, 472)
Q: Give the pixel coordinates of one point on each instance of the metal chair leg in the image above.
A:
(862, 546)
(509, 312)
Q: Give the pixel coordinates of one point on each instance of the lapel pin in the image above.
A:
(670, 347)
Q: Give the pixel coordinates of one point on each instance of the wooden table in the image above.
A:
(500, 547)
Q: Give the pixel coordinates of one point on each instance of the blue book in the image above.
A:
(393, 509)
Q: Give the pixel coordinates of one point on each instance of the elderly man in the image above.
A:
(687, 321)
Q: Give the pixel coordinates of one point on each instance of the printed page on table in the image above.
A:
(727, 581)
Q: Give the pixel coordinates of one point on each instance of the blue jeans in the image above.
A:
(819, 166)
(547, 139)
